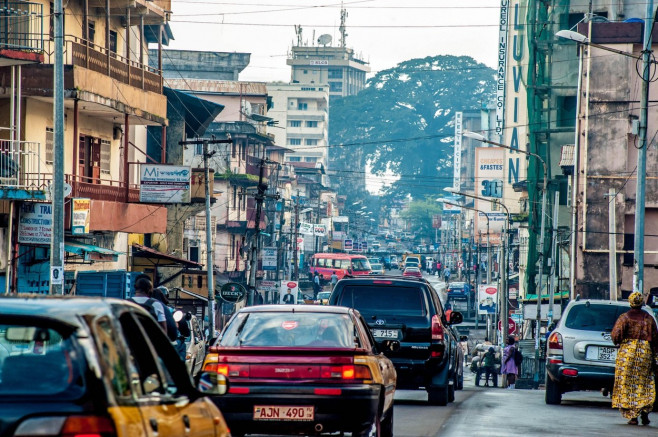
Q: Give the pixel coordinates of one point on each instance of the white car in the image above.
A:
(376, 269)
(195, 343)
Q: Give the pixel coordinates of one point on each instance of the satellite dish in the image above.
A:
(324, 39)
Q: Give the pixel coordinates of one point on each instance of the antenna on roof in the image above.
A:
(342, 28)
(298, 32)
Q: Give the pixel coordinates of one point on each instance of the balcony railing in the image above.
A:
(102, 189)
(21, 26)
(20, 165)
(86, 54)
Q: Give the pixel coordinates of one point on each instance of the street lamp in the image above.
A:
(640, 190)
(482, 139)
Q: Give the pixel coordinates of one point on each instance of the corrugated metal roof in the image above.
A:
(567, 156)
(218, 86)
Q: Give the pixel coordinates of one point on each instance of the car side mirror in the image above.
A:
(455, 318)
(213, 383)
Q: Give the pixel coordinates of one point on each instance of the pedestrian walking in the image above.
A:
(316, 285)
(489, 365)
(143, 297)
(446, 275)
(334, 279)
(637, 336)
(508, 366)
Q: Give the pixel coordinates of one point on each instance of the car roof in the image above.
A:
(66, 310)
(456, 284)
(395, 279)
(295, 309)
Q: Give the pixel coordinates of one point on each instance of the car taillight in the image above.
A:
(71, 426)
(346, 372)
(230, 370)
(555, 344)
(437, 328)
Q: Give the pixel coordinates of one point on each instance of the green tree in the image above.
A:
(419, 216)
(403, 122)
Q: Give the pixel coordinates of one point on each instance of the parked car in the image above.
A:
(376, 269)
(323, 298)
(412, 271)
(408, 310)
(86, 366)
(303, 369)
(580, 353)
(195, 344)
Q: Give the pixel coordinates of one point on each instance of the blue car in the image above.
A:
(459, 291)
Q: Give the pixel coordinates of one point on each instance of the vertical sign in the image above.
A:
(456, 184)
(269, 257)
(502, 74)
(80, 212)
(489, 175)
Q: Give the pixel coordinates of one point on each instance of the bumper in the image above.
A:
(414, 374)
(355, 409)
(587, 377)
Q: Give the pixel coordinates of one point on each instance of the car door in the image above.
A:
(188, 412)
(113, 359)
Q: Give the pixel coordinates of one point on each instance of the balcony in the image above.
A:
(82, 53)
(21, 33)
(102, 189)
(20, 170)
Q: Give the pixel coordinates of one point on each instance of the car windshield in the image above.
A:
(324, 295)
(286, 329)
(38, 361)
(456, 285)
(377, 300)
(360, 264)
(594, 317)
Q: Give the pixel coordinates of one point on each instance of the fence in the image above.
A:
(20, 164)
(21, 26)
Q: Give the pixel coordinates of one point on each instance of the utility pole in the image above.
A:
(612, 240)
(209, 232)
(638, 276)
(253, 262)
(551, 296)
(57, 241)
(296, 236)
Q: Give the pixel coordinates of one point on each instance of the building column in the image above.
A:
(76, 148)
(126, 145)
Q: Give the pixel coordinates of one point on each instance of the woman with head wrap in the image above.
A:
(637, 336)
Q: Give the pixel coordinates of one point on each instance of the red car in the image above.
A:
(303, 369)
(412, 271)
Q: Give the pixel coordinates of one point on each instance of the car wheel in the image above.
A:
(438, 395)
(386, 429)
(553, 394)
(460, 382)
(451, 392)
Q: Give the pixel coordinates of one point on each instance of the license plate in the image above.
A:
(287, 413)
(385, 333)
(601, 353)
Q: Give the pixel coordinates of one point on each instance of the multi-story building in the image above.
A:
(111, 94)
(302, 114)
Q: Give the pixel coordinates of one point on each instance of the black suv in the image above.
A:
(407, 321)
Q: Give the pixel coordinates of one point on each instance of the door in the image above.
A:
(95, 159)
(83, 153)
(169, 404)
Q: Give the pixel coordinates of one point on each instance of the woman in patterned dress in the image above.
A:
(637, 336)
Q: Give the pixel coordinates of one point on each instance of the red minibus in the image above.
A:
(341, 263)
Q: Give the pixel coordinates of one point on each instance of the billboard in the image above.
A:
(487, 299)
(457, 156)
(35, 224)
(80, 214)
(164, 183)
(489, 175)
(269, 257)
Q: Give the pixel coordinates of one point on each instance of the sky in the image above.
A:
(383, 32)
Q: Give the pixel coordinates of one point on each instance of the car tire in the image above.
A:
(438, 396)
(553, 394)
(386, 428)
(451, 392)
(460, 382)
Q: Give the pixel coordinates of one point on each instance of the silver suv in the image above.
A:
(580, 353)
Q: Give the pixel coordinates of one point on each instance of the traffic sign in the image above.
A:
(511, 326)
(460, 264)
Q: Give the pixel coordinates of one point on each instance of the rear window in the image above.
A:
(312, 330)
(360, 264)
(594, 317)
(37, 361)
(373, 299)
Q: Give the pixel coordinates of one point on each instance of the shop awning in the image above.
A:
(90, 252)
(198, 113)
(160, 259)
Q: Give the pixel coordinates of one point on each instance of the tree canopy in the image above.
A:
(419, 216)
(402, 122)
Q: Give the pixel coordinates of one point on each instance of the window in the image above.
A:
(199, 281)
(311, 159)
(311, 142)
(302, 106)
(91, 31)
(311, 123)
(113, 41)
(294, 159)
(235, 197)
(599, 318)
(112, 358)
(50, 133)
(566, 111)
(106, 155)
(295, 123)
(336, 87)
(232, 246)
(198, 149)
(295, 141)
(305, 71)
(399, 301)
(335, 73)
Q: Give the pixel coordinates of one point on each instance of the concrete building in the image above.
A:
(111, 95)
(189, 64)
(302, 116)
